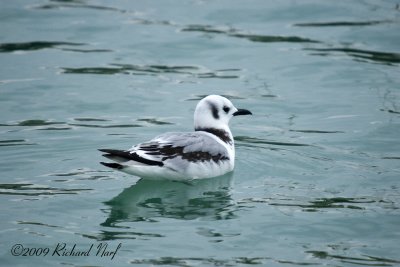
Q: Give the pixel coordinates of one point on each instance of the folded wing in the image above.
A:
(173, 150)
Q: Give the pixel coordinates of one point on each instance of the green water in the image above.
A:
(317, 175)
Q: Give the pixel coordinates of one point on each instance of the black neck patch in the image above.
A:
(221, 134)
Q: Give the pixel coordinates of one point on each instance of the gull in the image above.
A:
(207, 152)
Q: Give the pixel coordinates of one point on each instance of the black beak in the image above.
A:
(241, 111)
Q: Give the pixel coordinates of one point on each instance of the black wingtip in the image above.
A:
(112, 165)
(105, 150)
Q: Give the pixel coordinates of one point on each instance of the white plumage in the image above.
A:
(209, 151)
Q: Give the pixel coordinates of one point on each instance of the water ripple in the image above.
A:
(211, 261)
(89, 119)
(155, 121)
(59, 4)
(35, 45)
(253, 140)
(387, 58)
(342, 23)
(152, 70)
(366, 260)
(390, 157)
(26, 189)
(315, 131)
(33, 122)
(87, 50)
(152, 22)
(116, 235)
(15, 142)
(274, 38)
(79, 174)
(105, 126)
(319, 204)
(38, 224)
(231, 32)
(390, 110)
(38, 124)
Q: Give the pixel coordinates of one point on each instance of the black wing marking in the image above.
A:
(130, 156)
(112, 165)
(168, 151)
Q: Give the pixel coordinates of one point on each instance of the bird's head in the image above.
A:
(215, 111)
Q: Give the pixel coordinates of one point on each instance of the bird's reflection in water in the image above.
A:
(150, 200)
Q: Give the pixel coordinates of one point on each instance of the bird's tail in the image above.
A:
(116, 166)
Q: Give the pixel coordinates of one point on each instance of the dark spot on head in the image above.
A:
(226, 109)
(214, 110)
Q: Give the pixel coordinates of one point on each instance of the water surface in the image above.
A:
(317, 170)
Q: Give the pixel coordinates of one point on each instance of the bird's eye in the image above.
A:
(226, 109)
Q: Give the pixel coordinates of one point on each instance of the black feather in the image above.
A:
(130, 156)
(112, 165)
